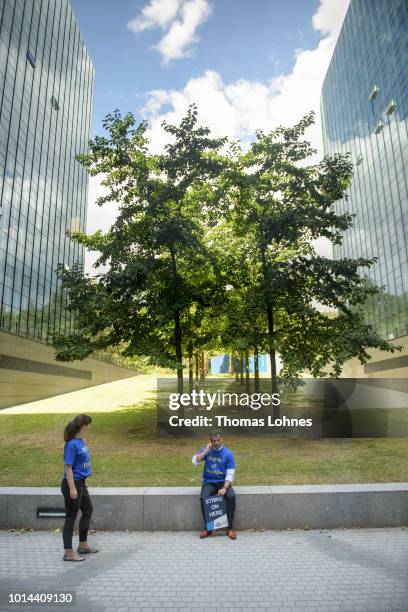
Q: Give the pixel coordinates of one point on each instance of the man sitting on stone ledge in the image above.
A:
(218, 474)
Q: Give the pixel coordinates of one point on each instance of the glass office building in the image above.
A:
(364, 108)
(46, 87)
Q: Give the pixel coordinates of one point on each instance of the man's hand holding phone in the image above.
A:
(208, 448)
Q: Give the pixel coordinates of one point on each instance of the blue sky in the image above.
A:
(247, 64)
(251, 40)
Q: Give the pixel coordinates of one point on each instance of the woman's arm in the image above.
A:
(70, 479)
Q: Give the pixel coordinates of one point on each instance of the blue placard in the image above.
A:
(215, 512)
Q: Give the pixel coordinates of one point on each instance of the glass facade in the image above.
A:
(364, 109)
(46, 87)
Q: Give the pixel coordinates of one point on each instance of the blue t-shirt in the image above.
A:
(216, 464)
(76, 454)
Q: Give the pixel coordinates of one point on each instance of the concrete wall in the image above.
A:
(382, 364)
(178, 508)
(29, 371)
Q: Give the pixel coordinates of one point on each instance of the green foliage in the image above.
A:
(159, 267)
(212, 250)
(277, 205)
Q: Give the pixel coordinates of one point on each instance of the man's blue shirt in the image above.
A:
(76, 454)
(216, 464)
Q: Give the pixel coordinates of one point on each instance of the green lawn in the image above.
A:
(126, 452)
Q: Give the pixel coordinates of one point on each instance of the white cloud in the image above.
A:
(179, 19)
(158, 13)
(237, 108)
(329, 16)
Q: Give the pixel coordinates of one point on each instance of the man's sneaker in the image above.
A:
(232, 534)
(205, 534)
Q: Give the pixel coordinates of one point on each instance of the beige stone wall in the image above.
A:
(378, 365)
(20, 386)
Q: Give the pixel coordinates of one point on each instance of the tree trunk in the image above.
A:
(197, 367)
(241, 367)
(177, 329)
(190, 368)
(271, 348)
(207, 365)
(236, 367)
(256, 370)
(179, 351)
(272, 357)
(247, 383)
(202, 373)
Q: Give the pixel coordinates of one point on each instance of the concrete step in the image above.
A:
(178, 508)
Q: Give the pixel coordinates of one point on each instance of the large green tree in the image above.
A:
(158, 264)
(278, 205)
(212, 250)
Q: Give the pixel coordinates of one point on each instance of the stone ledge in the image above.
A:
(258, 507)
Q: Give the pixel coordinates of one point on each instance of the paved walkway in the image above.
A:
(346, 570)
(116, 395)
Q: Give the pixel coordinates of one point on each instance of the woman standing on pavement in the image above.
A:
(73, 487)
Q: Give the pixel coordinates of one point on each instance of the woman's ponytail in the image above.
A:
(74, 426)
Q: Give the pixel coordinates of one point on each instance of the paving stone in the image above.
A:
(355, 570)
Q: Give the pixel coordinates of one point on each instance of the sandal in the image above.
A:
(74, 560)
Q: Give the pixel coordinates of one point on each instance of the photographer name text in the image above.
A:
(224, 421)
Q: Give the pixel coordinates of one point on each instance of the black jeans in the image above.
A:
(72, 506)
(207, 490)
